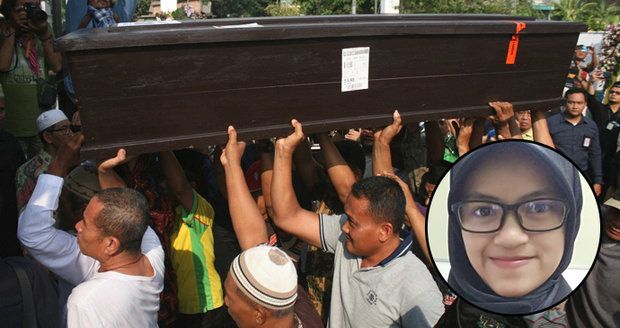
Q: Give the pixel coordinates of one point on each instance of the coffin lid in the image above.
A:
(305, 27)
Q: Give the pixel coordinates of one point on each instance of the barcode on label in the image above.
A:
(355, 63)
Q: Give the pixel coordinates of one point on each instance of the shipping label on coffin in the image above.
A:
(355, 68)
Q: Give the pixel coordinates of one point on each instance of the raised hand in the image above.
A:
(18, 18)
(503, 112)
(353, 135)
(110, 163)
(403, 186)
(388, 133)
(287, 145)
(231, 155)
(67, 156)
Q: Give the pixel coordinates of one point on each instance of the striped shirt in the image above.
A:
(200, 287)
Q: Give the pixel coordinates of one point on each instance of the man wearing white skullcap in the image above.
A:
(261, 288)
(54, 130)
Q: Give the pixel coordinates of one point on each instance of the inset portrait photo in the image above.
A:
(513, 228)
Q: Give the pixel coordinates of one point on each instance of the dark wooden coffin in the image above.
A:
(158, 87)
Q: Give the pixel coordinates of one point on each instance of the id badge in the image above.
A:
(586, 142)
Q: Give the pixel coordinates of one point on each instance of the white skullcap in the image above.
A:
(613, 202)
(49, 118)
(267, 276)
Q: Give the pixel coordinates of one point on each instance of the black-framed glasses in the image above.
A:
(538, 215)
(66, 129)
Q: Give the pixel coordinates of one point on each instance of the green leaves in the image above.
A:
(596, 13)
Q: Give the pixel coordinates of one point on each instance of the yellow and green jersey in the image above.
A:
(200, 287)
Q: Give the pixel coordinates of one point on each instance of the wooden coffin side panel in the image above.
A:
(168, 97)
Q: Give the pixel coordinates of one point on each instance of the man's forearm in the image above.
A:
(540, 129)
(381, 158)
(283, 196)
(248, 223)
(418, 226)
(339, 172)
(54, 59)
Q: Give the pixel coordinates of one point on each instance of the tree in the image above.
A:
(239, 8)
(334, 7)
(279, 9)
(519, 7)
(142, 8)
(601, 13)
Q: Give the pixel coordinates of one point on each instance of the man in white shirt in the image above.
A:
(116, 261)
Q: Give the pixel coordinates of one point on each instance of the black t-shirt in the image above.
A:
(10, 160)
(43, 289)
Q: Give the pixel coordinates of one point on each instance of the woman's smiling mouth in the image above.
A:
(511, 262)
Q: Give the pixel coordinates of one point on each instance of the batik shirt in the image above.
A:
(27, 175)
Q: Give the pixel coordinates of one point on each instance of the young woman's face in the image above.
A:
(512, 262)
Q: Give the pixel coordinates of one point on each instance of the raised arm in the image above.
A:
(305, 165)
(594, 59)
(7, 45)
(381, 153)
(249, 225)
(108, 178)
(52, 57)
(340, 174)
(55, 249)
(463, 138)
(288, 215)
(176, 180)
(266, 174)
(417, 221)
(540, 128)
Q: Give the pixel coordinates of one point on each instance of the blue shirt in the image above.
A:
(76, 9)
(578, 142)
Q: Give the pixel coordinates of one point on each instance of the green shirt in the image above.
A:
(20, 93)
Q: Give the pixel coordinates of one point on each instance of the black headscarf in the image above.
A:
(463, 278)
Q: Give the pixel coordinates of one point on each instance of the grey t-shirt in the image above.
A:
(399, 293)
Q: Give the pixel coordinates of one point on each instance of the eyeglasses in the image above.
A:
(67, 129)
(533, 215)
(611, 92)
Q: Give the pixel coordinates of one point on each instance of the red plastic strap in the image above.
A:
(513, 46)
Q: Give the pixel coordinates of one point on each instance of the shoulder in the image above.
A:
(415, 279)
(156, 258)
(90, 291)
(555, 118)
(590, 122)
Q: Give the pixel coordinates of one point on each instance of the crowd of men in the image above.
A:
(262, 233)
